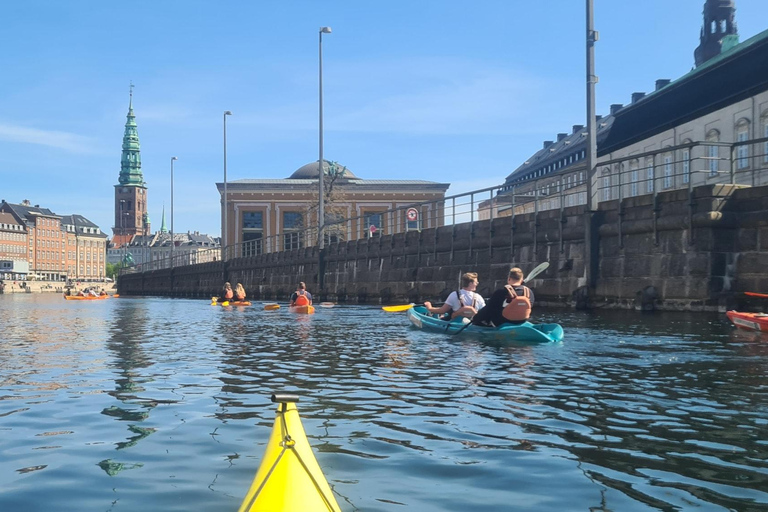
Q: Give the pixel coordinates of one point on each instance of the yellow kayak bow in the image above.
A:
(289, 478)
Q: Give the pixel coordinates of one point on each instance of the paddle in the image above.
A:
(753, 294)
(271, 307)
(327, 304)
(535, 272)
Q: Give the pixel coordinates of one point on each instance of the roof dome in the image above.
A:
(309, 171)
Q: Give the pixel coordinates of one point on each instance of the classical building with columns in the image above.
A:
(280, 214)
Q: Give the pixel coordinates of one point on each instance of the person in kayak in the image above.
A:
(239, 292)
(510, 304)
(226, 294)
(301, 297)
(461, 303)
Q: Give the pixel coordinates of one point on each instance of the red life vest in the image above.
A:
(301, 299)
(519, 307)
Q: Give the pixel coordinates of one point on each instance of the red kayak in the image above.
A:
(749, 321)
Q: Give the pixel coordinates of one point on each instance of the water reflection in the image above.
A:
(630, 412)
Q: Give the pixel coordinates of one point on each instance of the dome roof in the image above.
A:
(309, 171)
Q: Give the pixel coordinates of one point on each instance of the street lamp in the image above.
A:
(225, 228)
(321, 205)
(172, 241)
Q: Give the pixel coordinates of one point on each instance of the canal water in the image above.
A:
(148, 404)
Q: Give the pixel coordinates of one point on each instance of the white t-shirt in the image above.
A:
(467, 298)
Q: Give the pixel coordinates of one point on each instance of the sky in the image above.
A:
(443, 90)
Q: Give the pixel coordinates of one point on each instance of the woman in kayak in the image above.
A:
(510, 304)
(227, 293)
(301, 297)
(464, 302)
(239, 292)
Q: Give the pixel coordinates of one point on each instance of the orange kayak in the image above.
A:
(306, 310)
(87, 297)
(749, 321)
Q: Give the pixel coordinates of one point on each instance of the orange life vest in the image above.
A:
(519, 307)
(301, 299)
(228, 294)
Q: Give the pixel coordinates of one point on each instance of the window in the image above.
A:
(765, 146)
(686, 165)
(714, 154)
(293, 222)
(667, 171)
(374, 223)
(607, 187)
(649, 184)
(334, 230)
(253, 233)
(634, 176)
(742, 152)
(723, 26)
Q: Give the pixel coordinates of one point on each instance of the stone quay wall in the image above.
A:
(693, 250)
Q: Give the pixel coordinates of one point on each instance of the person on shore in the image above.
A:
(509, 304)
(301, 297)
(461, 303)
(239, 292)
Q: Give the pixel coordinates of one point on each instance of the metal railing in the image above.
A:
(681, 167)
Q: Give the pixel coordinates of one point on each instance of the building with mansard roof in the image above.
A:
(704, 127)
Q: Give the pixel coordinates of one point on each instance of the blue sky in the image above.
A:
(450, 91)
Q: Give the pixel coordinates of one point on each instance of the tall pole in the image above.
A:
(172, 240)
(225, 227)
(591, 153)
(320, 172)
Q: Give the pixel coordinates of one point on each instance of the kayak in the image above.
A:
(87, 297)
(306, 310)
(749, 321)
(232, 303)
(289, 477)
(536, 333)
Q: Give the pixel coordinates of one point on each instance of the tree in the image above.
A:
(335, 206)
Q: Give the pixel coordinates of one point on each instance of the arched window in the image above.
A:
(713, 152)
(742, 150)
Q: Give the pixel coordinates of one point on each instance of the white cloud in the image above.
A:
(70, 142)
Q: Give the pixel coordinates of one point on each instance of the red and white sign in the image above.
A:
(372, 229)
(412, 214)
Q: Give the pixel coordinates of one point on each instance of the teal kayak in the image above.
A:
(528, 332)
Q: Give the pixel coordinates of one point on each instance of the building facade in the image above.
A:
(267, 215)
(57, 247)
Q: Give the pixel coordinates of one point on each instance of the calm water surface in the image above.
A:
(145, 404)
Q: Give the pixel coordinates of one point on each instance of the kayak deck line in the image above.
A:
(297, 482)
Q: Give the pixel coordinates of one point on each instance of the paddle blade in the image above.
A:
(538, 270)
(396, 309)
(327, 304)
(272, 307)
(754, 294)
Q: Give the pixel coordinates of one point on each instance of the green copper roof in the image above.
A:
(130, 162)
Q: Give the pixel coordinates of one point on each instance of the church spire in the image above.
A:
(130, 162)
(163, 229)
(719, 32)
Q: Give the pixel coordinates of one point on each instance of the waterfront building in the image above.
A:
(279, 214)
(696, 130)
(57, 247)
(14, 262)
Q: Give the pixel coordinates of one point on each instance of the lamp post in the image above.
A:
(172, 241)
(225, 228)
(321, 205)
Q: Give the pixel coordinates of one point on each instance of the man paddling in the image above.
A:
(301, 297)
(509, 304)
(461, 303)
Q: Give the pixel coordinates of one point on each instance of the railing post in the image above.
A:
(733, 164)
(561, 188)
(512, 228)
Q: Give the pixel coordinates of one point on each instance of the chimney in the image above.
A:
(561, 136)
(547, 143)
(662, 82)
(615, 108)
(577, 128)
(598, 117)
(637, 96)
